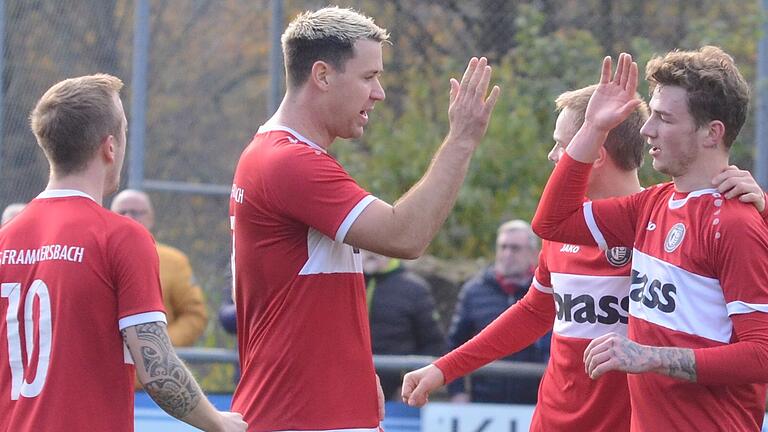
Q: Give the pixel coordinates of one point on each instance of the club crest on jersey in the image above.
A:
(675, 236)
(618, 256)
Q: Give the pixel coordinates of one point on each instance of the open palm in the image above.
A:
(613, 99)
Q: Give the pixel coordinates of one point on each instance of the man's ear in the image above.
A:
(320, 74)
(714, 133)
(108, 149)
(602, 156)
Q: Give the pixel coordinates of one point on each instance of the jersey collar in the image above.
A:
(63, 193)
(276, 127)
(677, 203)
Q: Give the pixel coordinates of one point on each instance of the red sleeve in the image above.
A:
(312, 187)
(519, 326)
(135, 270)
(559, 215)
(745, 361)
(740, 257)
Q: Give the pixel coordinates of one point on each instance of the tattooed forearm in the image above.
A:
(169, 383)
(675, 362)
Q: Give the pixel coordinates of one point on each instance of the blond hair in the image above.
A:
(328, 35)
(624, 144)
(715, 87)
(73, 117)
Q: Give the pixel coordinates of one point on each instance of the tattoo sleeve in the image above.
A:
(169, 383)
(675, 362)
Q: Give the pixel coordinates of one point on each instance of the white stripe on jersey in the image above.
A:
(346, 224)
(694, 304)
(141, 318)
(328, 256)
(132, 320)
(740, 307)
(589, 218)
(543, 288)
(589, 306)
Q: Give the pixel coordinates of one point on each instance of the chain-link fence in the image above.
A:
(208, 85)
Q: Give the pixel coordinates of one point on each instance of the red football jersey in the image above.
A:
(73, 275)
(581, 293)
(302, 322)
(688, 278)
(590, 289)
(698, 281)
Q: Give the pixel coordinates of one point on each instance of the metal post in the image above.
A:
(2, 79)
(276, 59)
(761, 116)
(138, 94)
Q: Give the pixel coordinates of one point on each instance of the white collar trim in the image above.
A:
(276, 127)
(63, 193)
(677, 203)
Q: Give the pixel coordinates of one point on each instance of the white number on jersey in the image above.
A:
(12, 291)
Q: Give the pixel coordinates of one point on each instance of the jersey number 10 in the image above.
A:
(12, 291)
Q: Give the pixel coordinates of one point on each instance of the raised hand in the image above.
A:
(614, 98)
(417, 385)
(734, 182)
(469, 110)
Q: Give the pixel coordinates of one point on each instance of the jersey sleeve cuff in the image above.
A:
(141, 318)
(346, 224)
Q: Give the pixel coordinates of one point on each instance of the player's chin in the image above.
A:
(355, 133)
(353, 130)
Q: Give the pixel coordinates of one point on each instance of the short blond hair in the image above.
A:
(624, 144)
(715, 87)
(72, 118)
(329, 35)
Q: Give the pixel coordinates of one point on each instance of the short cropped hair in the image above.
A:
(716, 89)
(624, 144)
(328, 35)
(520, 225)
(73, 117)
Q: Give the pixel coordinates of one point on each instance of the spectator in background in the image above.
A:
(228, 315)
(402, 315)
(485, 297)
(184, 301)
(10, 211)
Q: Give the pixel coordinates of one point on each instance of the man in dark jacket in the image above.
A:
(402, 315)
(485, 297)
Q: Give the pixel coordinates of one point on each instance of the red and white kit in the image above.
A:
(698, 281)
(579, 292)
(73, 275)
(302, 322)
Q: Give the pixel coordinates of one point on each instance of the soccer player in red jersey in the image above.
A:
(79, 284)
(697, 344)
(299, 220)
(590, 289)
